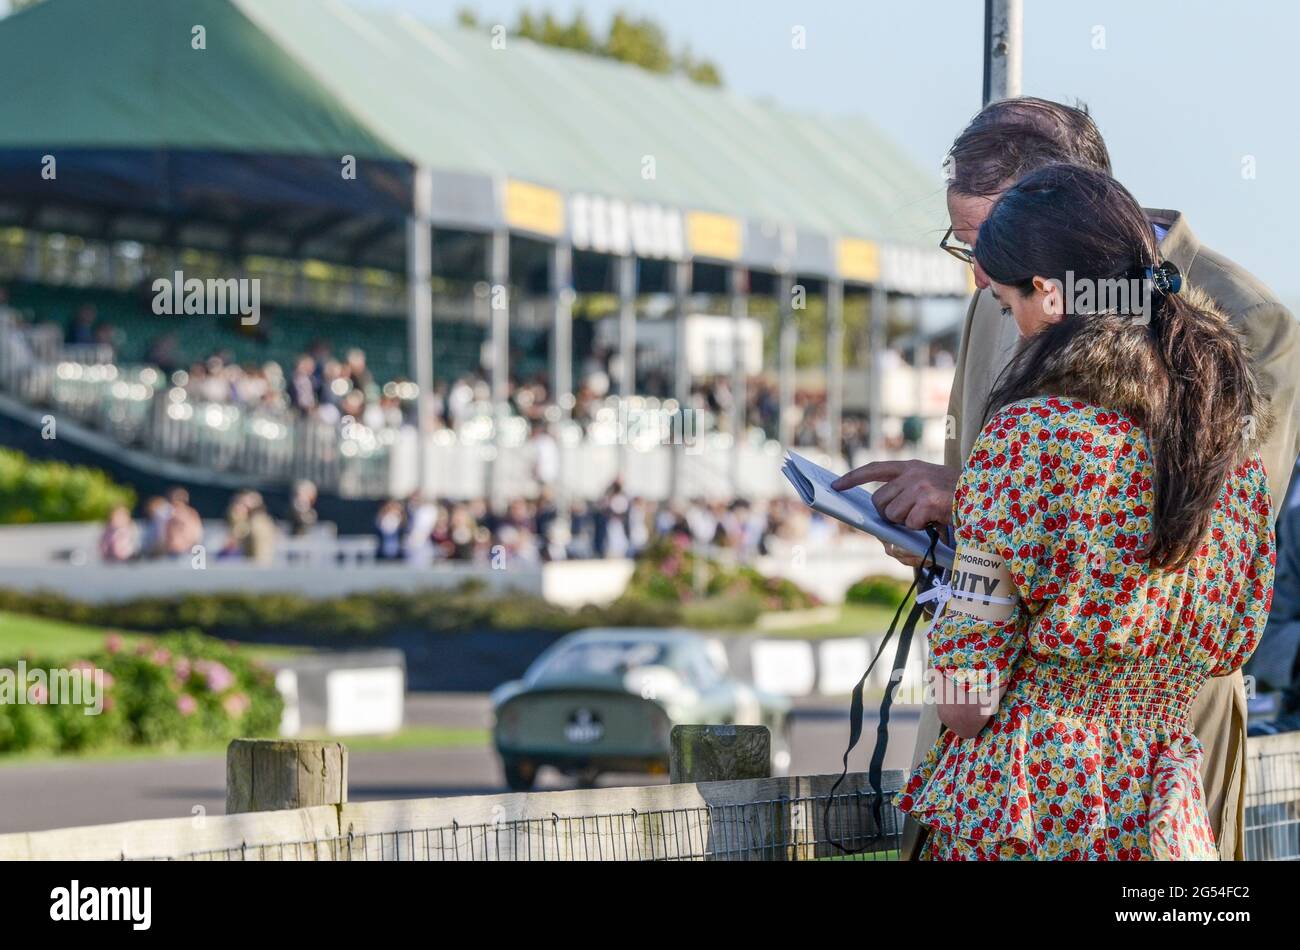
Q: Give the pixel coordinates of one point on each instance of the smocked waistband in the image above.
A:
(1126, 693)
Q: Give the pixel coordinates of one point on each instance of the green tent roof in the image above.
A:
(446, 98)
(318, 77)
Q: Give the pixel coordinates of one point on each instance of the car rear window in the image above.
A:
(602, 659)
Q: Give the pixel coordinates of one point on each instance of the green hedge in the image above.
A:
(178, 691)
(361, 615)
(884, 591)
(663, 592)
(32, 491)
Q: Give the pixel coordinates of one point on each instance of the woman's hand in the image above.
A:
(965, 708)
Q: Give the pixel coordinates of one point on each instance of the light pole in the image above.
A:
(1003, 32)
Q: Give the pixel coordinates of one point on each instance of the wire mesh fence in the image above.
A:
(1272, 806)
(786, 829)
(790, 818)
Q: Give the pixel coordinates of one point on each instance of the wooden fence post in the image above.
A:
(719, 753)
(275, 774)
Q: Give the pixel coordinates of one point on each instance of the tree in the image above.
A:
(639, 41)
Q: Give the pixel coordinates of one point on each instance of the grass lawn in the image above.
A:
(56, 639)
(412, 737)
(854, 620)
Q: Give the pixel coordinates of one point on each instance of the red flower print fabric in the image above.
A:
(1088, 755)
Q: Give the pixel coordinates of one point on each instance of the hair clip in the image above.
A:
(1165, 277)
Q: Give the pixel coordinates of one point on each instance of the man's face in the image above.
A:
(966, 213)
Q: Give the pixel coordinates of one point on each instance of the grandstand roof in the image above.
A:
(545, 139)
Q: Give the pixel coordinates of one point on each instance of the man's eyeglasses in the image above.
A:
(957, 249)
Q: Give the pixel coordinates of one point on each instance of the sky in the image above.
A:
(1194, 97)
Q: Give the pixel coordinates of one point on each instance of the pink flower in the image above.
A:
(187, 705)
(218, 677)
(183, 668)
(162, 656)
(236, 704)
(114, 643)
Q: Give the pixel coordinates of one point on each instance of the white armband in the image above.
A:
(979, 586)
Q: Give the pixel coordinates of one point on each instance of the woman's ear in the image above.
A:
(1053, 298)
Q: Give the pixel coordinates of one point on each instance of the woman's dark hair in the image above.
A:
(1012, 137)
(1172, 363)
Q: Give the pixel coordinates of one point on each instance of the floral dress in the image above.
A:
(1089, 755)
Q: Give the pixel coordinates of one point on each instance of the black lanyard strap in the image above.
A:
(929, 573)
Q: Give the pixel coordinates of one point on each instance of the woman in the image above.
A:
(1114, 494)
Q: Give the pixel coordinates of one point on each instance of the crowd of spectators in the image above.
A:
(170, 528)
(423, 530)
(331, 387)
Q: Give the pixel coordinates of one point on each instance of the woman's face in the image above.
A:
(1033, 311)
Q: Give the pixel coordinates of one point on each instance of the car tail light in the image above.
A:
(508, 724)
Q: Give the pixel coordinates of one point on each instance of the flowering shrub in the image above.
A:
(175, 691)
(670, 570)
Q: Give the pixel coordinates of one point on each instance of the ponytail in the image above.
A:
(1213, 417)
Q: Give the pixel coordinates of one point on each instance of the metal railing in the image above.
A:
(775, 830)
(1272, 806)
(791, 818)
(136, 406)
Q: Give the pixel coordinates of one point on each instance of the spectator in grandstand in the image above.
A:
(357, 371)
(465, 399)
(251, 532)
(302, 385)
(611, 530)
(302, 508)
(81, 331)
(106, 339)
(184, 528)
(162, 353)
(120, 541)
(421, 519)
(153, 542)
(462, 533)
(237, 529)
(389, 525)
(546, 454)
(263, 534)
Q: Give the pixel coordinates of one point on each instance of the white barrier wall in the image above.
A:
(568, 583)
(100, 583)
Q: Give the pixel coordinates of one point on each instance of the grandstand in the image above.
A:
(381, 176)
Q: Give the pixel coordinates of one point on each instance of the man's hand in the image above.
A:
(914, 493)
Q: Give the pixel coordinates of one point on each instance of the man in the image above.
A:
(1003, 142)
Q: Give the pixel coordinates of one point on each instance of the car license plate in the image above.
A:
(584, 727)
